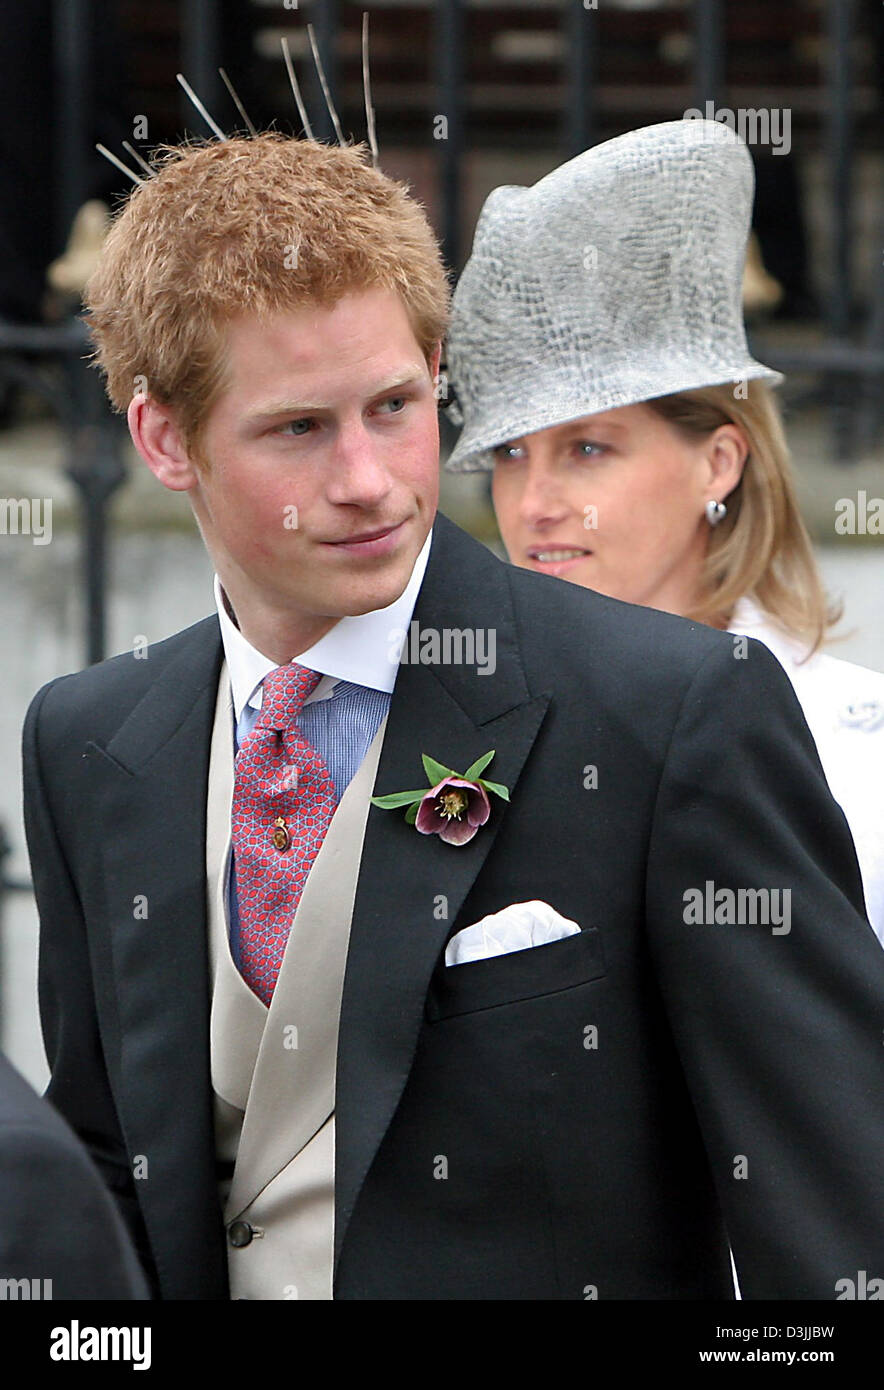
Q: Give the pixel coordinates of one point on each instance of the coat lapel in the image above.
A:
(455, 714)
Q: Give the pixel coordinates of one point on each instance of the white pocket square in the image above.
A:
(514, 928)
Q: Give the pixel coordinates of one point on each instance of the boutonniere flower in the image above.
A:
(454, 805)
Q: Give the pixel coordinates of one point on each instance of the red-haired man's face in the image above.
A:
(322, 474)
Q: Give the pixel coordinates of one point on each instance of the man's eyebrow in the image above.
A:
(272, 408)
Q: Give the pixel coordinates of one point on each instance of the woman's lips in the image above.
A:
(556, 559)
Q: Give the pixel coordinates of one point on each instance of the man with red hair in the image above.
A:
(318, 1053)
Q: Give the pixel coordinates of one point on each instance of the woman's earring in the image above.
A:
(715, 512)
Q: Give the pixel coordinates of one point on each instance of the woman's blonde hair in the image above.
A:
(258, 226)
(761, 549)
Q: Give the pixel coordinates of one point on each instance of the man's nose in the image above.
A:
(359, 472)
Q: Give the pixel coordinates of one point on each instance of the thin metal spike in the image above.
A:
(238, 104)
(302, 112)
(137, 157)
(108, 154)
(199, 106)
(320, 73)
(366, 87)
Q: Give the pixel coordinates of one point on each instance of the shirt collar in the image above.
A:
(356, 649)
(749, 619)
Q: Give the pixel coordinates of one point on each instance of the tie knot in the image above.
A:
(285, 691)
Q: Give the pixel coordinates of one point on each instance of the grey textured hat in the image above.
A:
(614, 279)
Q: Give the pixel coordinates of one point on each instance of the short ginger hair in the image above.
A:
(248, 225)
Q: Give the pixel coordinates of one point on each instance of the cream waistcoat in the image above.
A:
(273, 1070)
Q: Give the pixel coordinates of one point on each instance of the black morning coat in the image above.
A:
(61, 1236)
(613, 1107)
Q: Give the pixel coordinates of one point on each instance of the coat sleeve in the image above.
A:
(779, 1024)
(58, 1222)
(79, 1087)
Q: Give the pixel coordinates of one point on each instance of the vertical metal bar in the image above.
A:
(326, 28)
(839, 153)
(94, 520)
(72, 118)
(709, 58)
(73, 53)
(200, 60)
(579, 124)
(5, 851)
(872, 396)
(448, 122)
(96, 467)
(839, 150)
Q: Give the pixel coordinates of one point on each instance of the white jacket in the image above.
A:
(844, 707)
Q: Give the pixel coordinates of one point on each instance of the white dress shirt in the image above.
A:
(342, 715)
(356, 649)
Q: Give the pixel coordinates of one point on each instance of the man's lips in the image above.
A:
(369, 542)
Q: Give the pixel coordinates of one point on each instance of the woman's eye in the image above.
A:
(586, 449)
(508, 451)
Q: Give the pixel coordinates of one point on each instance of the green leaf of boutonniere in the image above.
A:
(389, 803)
(436, 772)
(497, 787)
(474, 769)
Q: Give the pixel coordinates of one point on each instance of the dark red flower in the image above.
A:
(453, 810)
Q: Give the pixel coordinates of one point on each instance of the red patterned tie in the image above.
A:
(283, 801)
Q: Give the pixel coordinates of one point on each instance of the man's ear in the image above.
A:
(435, 358)
(157, 438)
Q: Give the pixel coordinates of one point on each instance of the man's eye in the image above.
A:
(508, 451)
(295, 426)
(395, 403)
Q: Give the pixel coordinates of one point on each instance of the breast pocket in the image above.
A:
(506, 979)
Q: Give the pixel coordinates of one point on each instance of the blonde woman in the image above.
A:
(599, 364)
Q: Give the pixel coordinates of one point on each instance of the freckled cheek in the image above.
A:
(416, 457)
(261, 525)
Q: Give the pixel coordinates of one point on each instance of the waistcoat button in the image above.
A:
(240, 1233)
